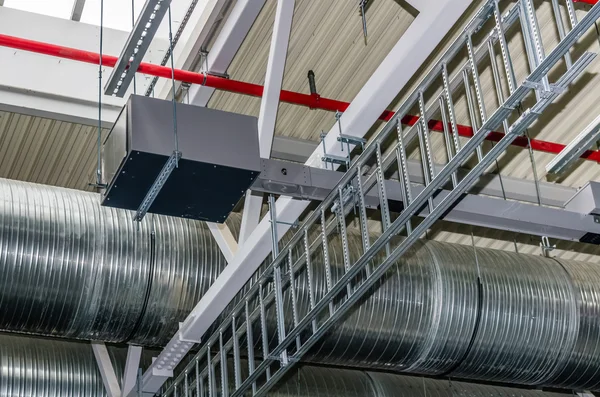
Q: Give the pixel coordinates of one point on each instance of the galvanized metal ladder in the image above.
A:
(245, 356)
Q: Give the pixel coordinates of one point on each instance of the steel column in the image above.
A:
(109, 377)
(269, 105)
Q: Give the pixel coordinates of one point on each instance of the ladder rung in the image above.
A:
(279, 276)
(224, 372)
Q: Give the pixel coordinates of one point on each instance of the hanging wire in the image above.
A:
(534, 169)
(532, 159)
(173, 87)
(499, 175)
(99, 141)
(132, 26)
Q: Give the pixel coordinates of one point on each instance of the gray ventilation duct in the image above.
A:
(78, 270)
(45, 368)
(74, 269)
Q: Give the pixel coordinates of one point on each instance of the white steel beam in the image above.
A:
(224, 239)
(56, 88)
(227, 44)
(107, 371)
(269, 105)
(405, 58)
(77, 10)
(582, 142)
(253, 202)
(132, 364)
(200, 26)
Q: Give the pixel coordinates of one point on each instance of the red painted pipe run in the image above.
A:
(313, 101)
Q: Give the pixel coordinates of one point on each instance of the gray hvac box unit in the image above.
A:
(219, 159)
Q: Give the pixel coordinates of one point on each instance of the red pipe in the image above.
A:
(313, 101)
(590, 2)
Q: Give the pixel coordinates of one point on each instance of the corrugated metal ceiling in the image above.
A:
(52, 152)
(327, 37)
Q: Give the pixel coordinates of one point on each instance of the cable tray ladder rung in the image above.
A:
(284, 313)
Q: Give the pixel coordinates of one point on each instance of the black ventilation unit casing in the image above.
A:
(219, 159)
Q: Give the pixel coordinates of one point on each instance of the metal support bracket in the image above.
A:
(546, 247)
(554, 89)
(136, 46)
(330, 158)
(352, 140)
(158, 184)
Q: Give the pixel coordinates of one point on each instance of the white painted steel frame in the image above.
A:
(336, 203)
(405, 58)
(107, 371)
(60, 89)
(132, 365)
(224, 239)
(269, 106)
(206, 15)
(227, 44)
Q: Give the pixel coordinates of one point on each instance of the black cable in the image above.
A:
(152, 265)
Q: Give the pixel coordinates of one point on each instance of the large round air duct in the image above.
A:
(74, 269)
(45, 368)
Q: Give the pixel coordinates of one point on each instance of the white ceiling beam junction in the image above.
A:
(227, 44)
(132, 365)
(403, 61)
(225, 240)
(269, 106)
(107, 371)
(55, 88)
(200, 25)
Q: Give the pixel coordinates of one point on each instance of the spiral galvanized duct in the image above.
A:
(74, 269)
(41, 367)
(471, 313)
(78, 270)
(46, 368)
(419, 318)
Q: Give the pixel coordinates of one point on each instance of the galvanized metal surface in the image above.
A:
(516, 358)
(75, 269)
(43, 368)
(581, 365)
(78, 270)
(418, 319)
(528, 320)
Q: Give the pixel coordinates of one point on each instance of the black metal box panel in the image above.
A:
(220, 159)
